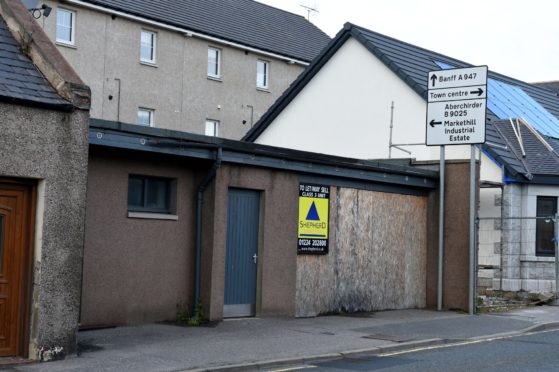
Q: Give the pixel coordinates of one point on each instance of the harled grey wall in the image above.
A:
(51, 147)
(107, 57)
(277, 251)
(136, 270)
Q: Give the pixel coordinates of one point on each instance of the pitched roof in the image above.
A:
(20, 81)
(412, 64)
(529, 156)
(245, 22)
(506, 96)
(550, 85)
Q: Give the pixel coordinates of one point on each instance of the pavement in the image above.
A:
(270, 343)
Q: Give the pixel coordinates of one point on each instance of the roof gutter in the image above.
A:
(186, 32)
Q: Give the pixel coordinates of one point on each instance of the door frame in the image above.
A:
(29, 189)
(258, 274)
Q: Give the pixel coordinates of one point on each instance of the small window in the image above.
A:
(262, 71)
(147, 46)
(546, 206)
(214, 62)
(151, 194)
(212, 128)
(65, 26)
(145, 116)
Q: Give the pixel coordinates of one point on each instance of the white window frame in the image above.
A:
(72, 13)
(151, 116)
(215, 72)
(152, 46)
(212, 128)
(266, 75)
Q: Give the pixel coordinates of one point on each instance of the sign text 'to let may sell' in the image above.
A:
(312, 230)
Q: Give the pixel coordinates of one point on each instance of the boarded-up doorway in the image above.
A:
(243, 218)
(16, 203)
(377, 258)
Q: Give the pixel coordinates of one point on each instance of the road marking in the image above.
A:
(433, 347)
(462, 343)
(296, 368)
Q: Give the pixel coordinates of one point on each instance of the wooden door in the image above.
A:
(15, 221)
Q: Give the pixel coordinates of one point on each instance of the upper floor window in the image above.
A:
(212, 128)
(65, 26)
(147, 46)
(145, 116)
(262, 71)
(546, 206)
(214, 62)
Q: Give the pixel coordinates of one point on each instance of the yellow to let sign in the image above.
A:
(312, 231)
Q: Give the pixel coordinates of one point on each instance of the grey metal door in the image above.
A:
(243, 218)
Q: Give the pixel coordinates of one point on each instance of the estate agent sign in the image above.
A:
(312, 227)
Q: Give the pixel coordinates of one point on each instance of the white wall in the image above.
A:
(345, 110)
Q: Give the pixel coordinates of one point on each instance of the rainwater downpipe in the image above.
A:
(199, 204)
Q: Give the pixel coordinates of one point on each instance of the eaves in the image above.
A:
(187, 32)
(181, 144)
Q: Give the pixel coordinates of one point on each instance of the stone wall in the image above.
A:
(51, 148)
(512, 236)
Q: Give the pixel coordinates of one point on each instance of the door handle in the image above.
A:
(255, 257)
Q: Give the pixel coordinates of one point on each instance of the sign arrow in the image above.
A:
(479, 92)
(433, 79)
(432, 123)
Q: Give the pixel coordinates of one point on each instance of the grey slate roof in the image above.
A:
(20, 80)
(537, 159)
(245, 22)
(550, 85)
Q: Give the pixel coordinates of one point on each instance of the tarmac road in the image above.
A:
(257, 344)
(532, 352)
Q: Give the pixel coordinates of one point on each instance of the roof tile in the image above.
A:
(245, 22)
(19, 78)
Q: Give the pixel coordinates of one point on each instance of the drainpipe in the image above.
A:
(199, 203)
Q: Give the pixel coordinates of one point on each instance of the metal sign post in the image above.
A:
(441, 233)
(456, 110)
(555, 239)
(472, 271)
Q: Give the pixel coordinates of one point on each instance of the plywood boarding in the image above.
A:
(377, 259)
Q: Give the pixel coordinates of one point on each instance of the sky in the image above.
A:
(518, 38)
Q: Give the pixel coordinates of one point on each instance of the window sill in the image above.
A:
(215, 78)
(265, 90)
(153, 216)
(61, 43)
(150, 64)
(529, 258)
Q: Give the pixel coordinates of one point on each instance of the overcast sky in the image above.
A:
(518, 38)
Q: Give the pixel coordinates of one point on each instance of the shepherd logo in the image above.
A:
(313, 213)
